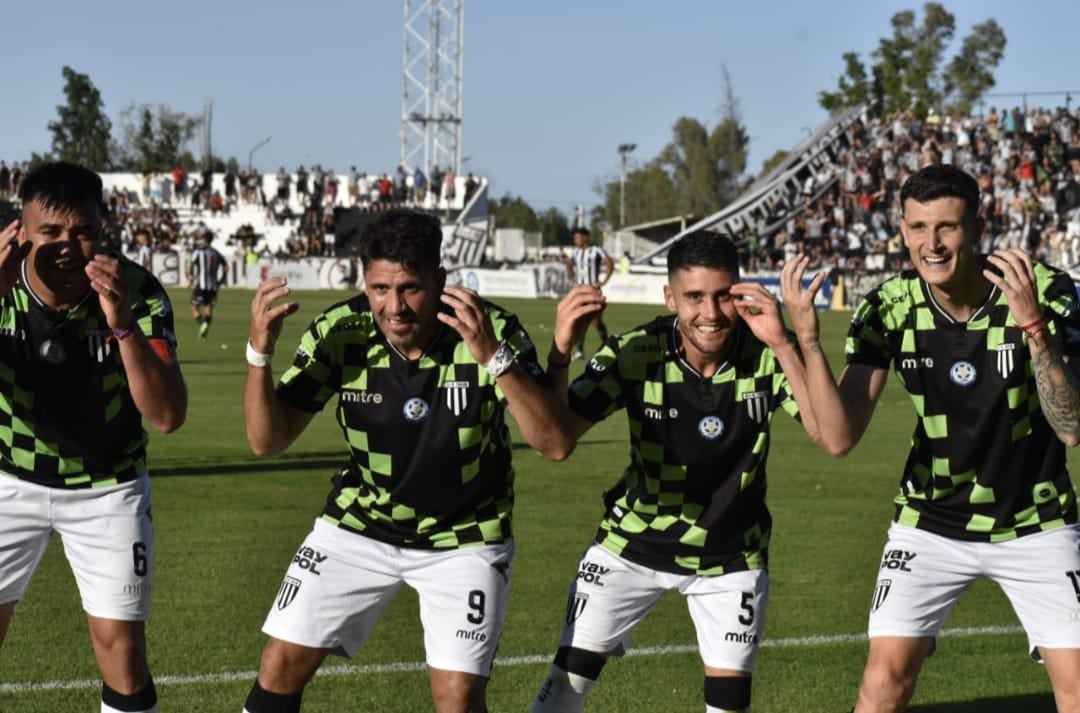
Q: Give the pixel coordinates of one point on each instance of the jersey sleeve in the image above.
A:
(783, 396)
(1063, 313)
(866, 340)
(598, 392)
(315, 374)
(151, 307)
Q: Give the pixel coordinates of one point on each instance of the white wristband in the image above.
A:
(257, 358)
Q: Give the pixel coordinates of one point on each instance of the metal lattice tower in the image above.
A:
(431, 84)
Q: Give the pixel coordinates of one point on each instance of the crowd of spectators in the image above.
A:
(1021, 159)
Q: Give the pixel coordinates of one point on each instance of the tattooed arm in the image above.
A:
(1059, 392)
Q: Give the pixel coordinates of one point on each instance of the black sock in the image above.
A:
(142, 700)
(262, 701)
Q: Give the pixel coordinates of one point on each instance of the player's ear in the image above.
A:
(669, 298)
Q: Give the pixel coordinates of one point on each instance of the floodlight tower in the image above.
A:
(431, 84)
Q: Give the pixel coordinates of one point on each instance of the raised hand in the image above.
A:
(12, 253)
(266, 317)
(107, 280)
(761, 312)
(1017, 281)
(471, 320)
(576, 311)
(799, 300)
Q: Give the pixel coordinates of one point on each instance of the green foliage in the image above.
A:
(153, 137)
(227, 525)
(909, 71)
(699, 172)
(515, 212)
(81, 132)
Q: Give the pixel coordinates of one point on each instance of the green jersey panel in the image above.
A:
(67, 419)
(984, 464)
(692, 499)
(429, 449)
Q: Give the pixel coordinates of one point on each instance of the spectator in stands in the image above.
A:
(419, 187)
(218, 204)
(436, 186)
(179, 183)
(230, 186)
(353, 187)
(301, 185)
(331, 189)
(471, 184)
(449, 189)
(283, 185)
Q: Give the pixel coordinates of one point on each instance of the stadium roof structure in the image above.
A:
(817, 154)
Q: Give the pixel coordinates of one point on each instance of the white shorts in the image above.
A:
(108, 540)
(339, 584)
(611, 595)
(922, 575)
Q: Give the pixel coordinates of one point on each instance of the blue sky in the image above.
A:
(550, 88)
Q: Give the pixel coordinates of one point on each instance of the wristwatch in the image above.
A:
(501, 361)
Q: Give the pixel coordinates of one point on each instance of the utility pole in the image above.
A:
(624, 151)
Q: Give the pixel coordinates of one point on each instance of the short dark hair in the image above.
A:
(62, 186)
(407, 237)
(942, 180)
(703, 248)
(583, 230)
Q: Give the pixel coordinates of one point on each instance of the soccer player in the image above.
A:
(688, 512)
(88, 352)
(984, 346)
(145, 251)
(207, 271)
(423, 374)
(585, 263)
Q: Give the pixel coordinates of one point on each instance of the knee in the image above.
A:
(286, 668)
(885, 689)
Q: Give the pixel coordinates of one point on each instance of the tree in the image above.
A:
(514, 212)
(909, 71)
(153, 137)
(81, 134)
(699, 172)
(554, 227)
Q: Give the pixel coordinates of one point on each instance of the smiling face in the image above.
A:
(62, 243)
(701, 298)
(940, 240)
(404, 303)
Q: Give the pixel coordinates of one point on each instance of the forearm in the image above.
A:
(1059, 395)
(266, 420)
(837, 434)
(794, 369)
(157, 387)
(544, 418)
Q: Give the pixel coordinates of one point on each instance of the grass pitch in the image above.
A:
(228, 524)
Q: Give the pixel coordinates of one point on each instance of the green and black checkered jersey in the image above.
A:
(428, 442)
(692, 499)
(67, 418)
(984, 464)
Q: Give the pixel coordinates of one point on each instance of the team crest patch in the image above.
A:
(963, 373)
(881, 592)
(290, 587)
(1005, 359)
(52, 351)
(415, 410)
(757, 404)
(710, 427)
(457, 396)
(576, 606)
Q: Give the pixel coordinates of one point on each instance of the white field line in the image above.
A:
(350, 670)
